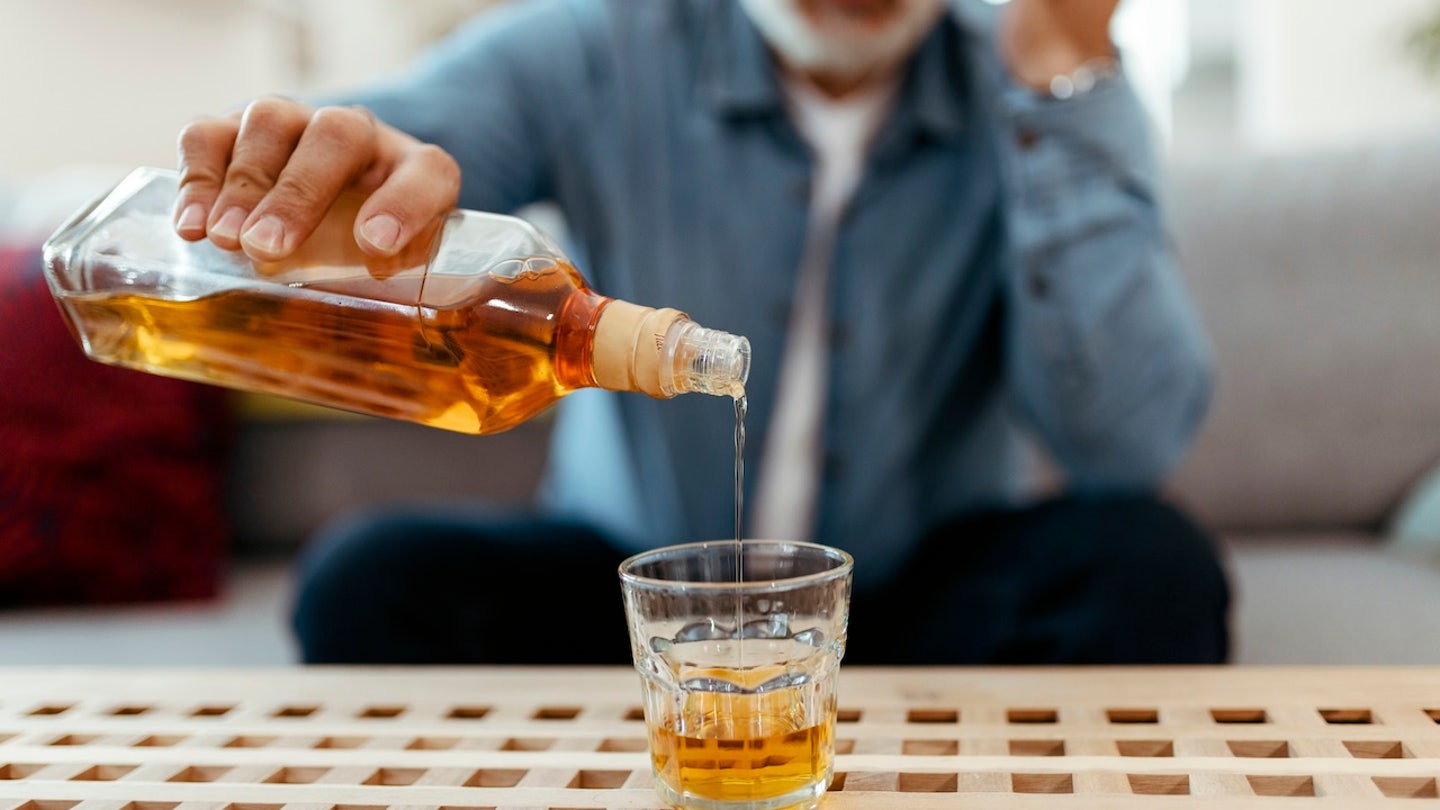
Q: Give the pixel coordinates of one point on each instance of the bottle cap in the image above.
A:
(707, 361)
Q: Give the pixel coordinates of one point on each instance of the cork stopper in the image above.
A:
(661, 352)
(630, 346)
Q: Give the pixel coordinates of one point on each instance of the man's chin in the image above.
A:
(843, 36)
(850, 14)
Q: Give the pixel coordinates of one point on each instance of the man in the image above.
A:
(939, 231)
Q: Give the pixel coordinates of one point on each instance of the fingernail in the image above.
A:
(192, 219)
(382, 231)
(228, 226)
(266, 236)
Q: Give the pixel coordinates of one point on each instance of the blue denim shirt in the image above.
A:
(1002, 272)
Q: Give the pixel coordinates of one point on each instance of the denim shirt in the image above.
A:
(1002, 277)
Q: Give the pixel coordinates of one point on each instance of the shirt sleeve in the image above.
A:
(489, 95)
(1109, 360)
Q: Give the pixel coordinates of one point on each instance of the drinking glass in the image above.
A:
(739, 649)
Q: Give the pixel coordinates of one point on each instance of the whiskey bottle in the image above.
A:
(479, 324)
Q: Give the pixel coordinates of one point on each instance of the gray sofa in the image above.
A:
(1319, 278)
(1316, 275)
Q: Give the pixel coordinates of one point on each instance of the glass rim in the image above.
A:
(844, 566)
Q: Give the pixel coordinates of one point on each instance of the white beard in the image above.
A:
(840, 47)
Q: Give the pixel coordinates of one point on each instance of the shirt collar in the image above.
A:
(737, 74)
(937, 87)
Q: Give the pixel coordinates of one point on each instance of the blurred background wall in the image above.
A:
(110, 82)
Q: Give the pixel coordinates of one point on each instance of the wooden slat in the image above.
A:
(424, 739)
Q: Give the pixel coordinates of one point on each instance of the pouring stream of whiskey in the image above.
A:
(741, 406)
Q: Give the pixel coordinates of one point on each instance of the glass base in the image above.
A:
(806, 798)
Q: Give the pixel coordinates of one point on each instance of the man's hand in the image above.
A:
(1042, 39)
(262, 179)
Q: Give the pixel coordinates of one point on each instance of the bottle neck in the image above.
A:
(661, 352)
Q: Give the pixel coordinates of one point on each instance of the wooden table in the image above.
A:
(371, 739)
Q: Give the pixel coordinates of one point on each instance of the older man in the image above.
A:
(936, 223)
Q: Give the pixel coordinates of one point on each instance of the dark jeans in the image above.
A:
(1070, 581)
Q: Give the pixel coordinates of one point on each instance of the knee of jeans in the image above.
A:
(348, 562)
(357, 541)
(1153, 544)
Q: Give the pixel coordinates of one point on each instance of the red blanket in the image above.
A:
(110, 479)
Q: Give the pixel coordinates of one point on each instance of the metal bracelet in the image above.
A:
(1084, 78)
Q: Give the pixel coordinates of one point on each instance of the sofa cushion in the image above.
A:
(1331, 598)
(1316, 277)
(110, 480)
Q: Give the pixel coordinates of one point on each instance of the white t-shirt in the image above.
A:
(839, 133)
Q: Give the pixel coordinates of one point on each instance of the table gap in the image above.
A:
(250, 741)
(342, 742)
(1037, 748)
(1132, 716)
(1407, 787)
(469, 712)
(623, 744)
(932, 716)
(159, 741)
(599, 780)
(294, 776)
(103, 773)
(1347, 717)
(74, 739)
(16, 770)
(1145, 748)
(1050, 783)
(927, 783)
(1241, 716)
(1032, 716)
(1281, 785)
(1159, 784)
(1375, 749)
(1260, 749)
(394, 777)
(200, 773)
(496, 777)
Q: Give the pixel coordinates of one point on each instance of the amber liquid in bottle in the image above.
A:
(501, 349)
(477, 325)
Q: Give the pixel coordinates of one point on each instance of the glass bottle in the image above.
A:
(478, 325)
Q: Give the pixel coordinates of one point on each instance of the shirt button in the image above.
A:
(1039, 286)
(834, 465)
(1026, 138)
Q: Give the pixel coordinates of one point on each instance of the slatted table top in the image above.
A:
(572, 738)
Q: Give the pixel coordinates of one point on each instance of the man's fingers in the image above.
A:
(263, 180)
(424, 184)
(337, 144)
(204, 148)
(269, 130)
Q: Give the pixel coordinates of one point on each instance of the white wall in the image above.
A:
(113, 81)
(1315, 74)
